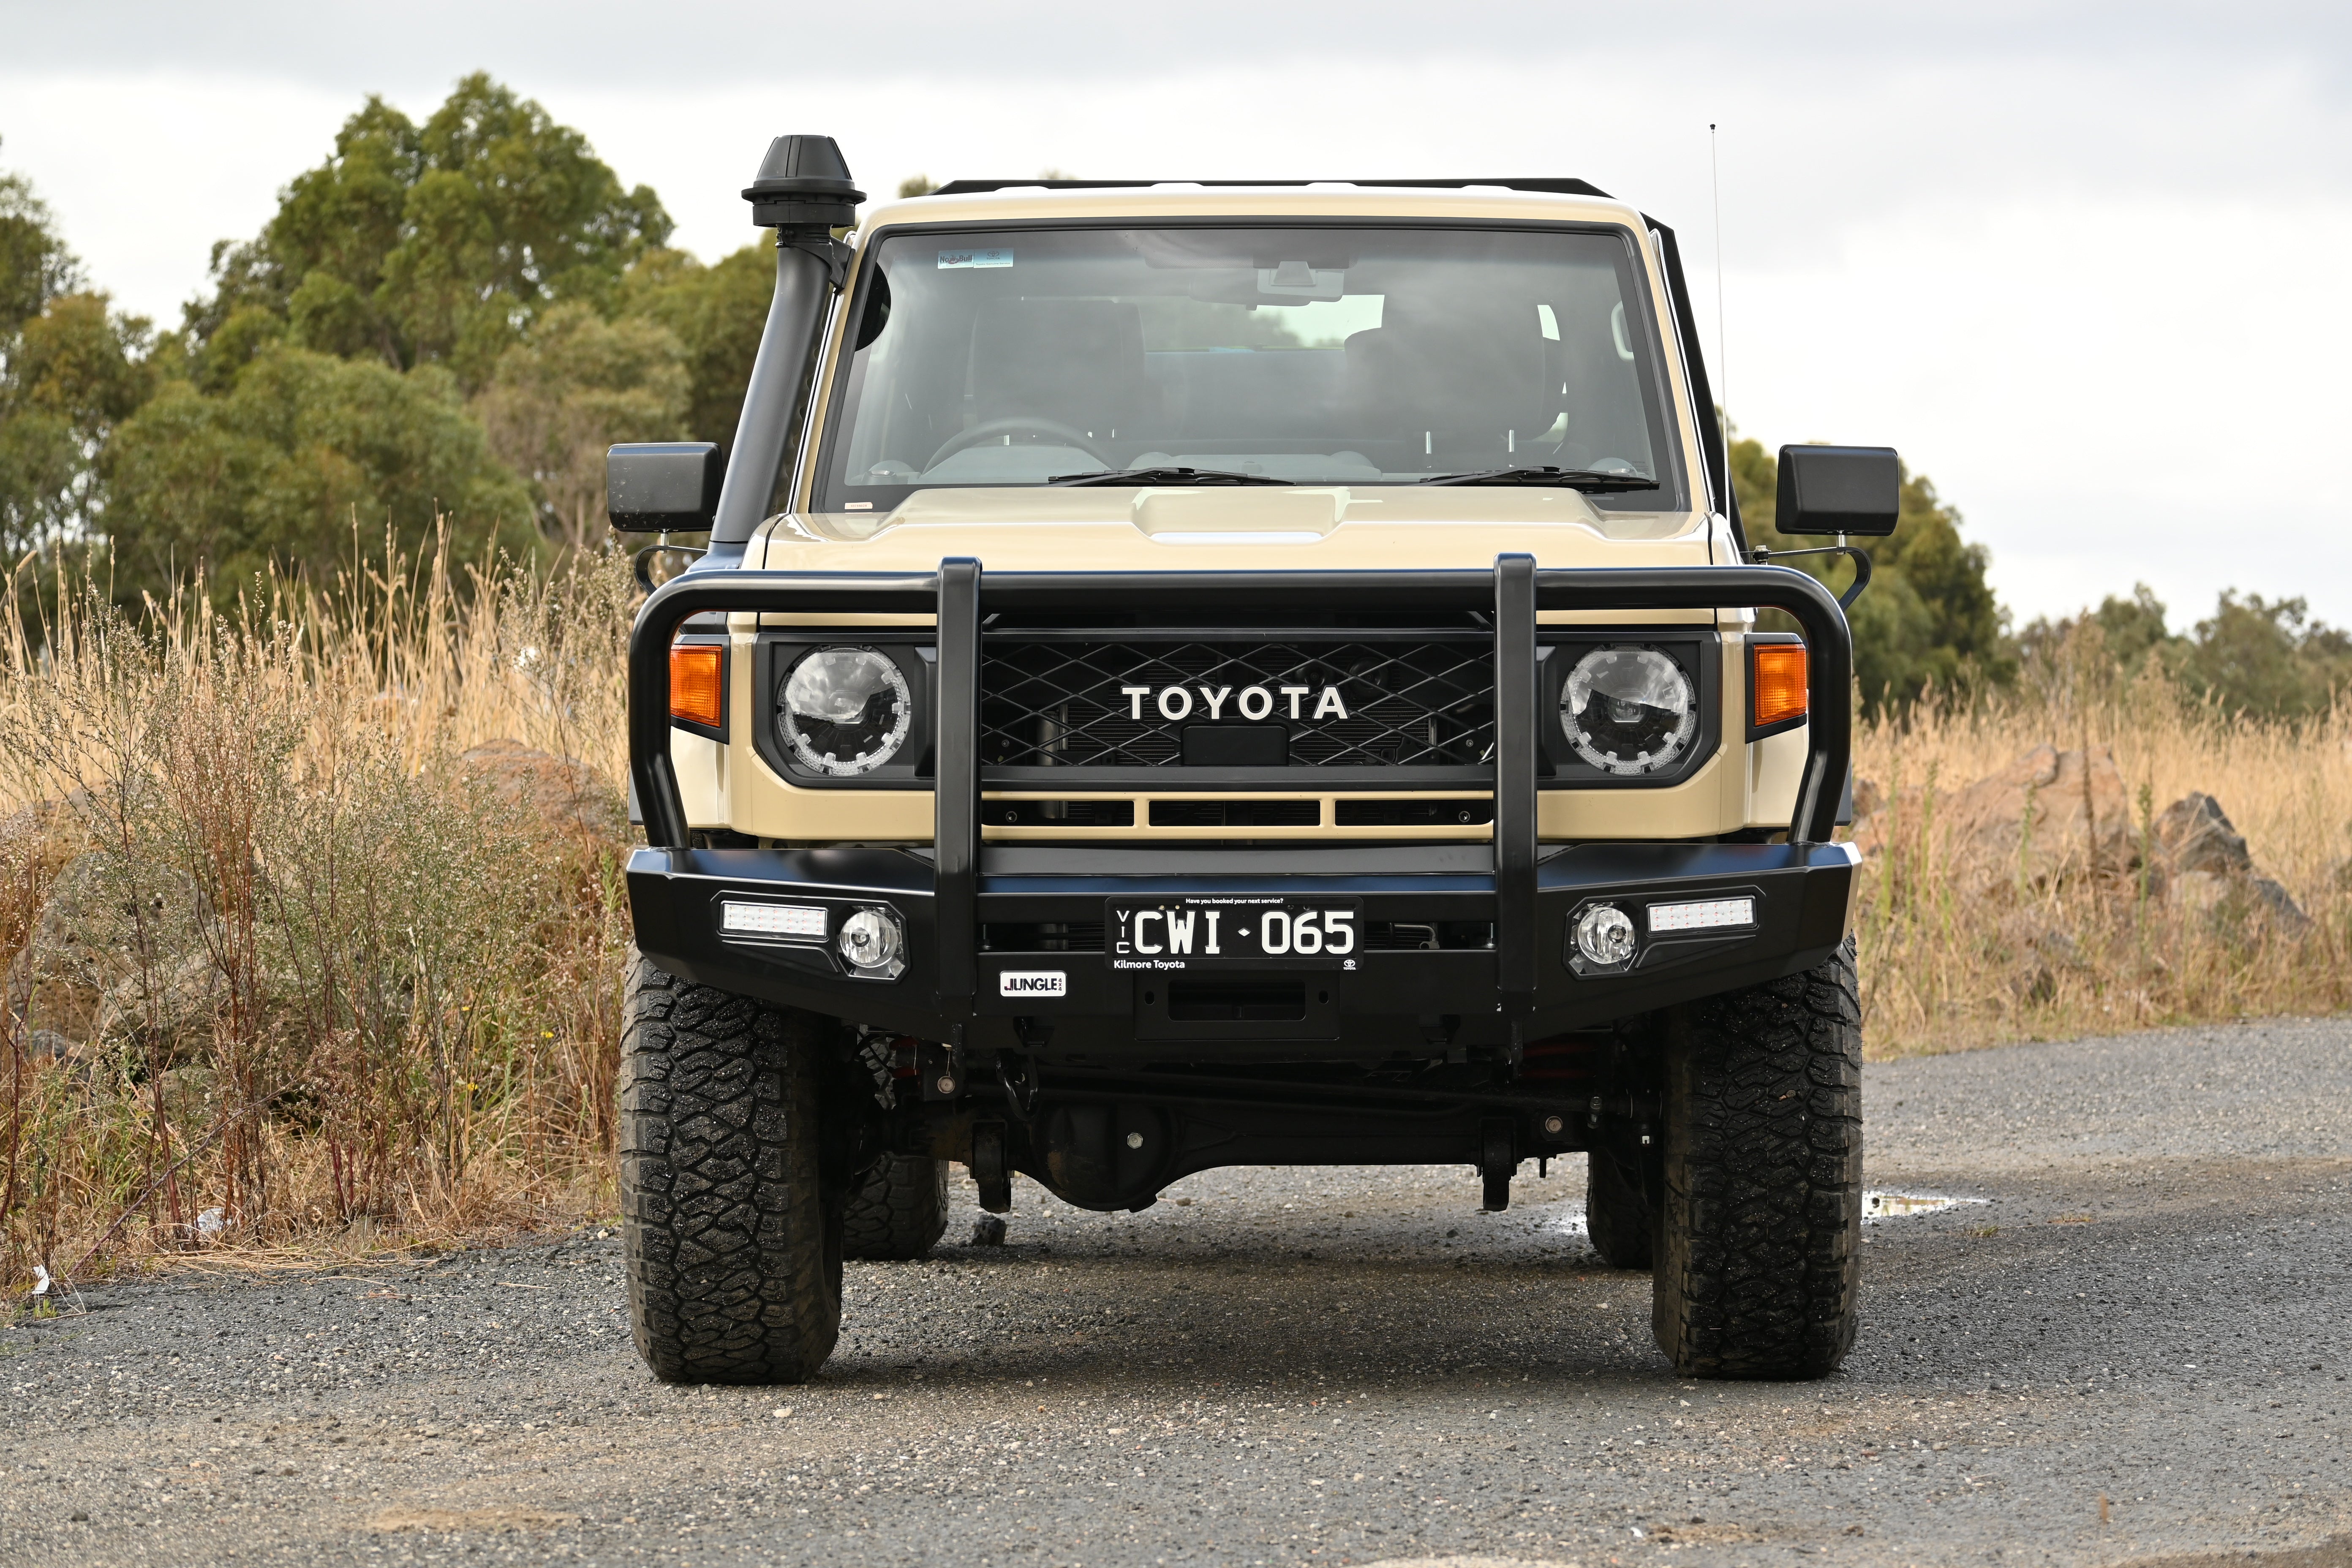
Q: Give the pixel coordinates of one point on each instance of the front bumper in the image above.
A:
(1395, 1000)
(1515, 986)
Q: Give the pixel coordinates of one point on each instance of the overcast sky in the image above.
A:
(2086, 265)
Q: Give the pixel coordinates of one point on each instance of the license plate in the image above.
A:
(1224, 932)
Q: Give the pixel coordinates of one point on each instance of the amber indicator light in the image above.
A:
(1776, 674)
(694, 689)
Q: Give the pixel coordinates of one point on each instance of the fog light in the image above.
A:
(770, 919)
(1604, 935)
(871, 941)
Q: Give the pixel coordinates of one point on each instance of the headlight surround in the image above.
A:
(843, 709)
(1629, 709)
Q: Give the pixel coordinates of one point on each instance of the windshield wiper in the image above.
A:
(1574, 479)
(1163, 477)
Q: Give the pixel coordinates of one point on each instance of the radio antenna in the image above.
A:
(1722, 351)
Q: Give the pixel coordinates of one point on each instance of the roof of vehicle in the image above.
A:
(1549, 185)
(981, 201)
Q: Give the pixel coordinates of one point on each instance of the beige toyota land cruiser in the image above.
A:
(1203, 674)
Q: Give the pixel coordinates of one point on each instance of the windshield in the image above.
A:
(1308, 356)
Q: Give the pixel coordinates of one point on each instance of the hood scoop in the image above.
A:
(1251, 516)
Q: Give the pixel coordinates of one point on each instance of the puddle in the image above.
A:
(1903, 1205)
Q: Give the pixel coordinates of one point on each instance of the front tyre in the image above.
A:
(733, 1252)
(898, 1209)
(1759, 1235)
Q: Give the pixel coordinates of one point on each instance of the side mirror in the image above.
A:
(663, 486)
(1838, 489)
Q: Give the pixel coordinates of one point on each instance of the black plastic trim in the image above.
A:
(1702, 395)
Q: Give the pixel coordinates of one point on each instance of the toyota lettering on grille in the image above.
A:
(1252, 702)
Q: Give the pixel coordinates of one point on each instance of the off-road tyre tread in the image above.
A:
(1759, 1242)
(733, 1251)
(1616, 1217)
(897, 1211)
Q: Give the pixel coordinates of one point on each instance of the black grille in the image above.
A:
(1431, 936)
(1042, 936)
(1464, 812)
(1057, 813)
(1215, 813)
(1420, 702)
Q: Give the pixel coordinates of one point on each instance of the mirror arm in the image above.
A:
(640, 565)
(1859, 557)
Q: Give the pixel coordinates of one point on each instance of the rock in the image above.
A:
(2239, 900)
(2211, 871)
(988, 1230)
(2199, 891)
(2048, 814)
(541, 788)
(2194, 834)
(2278, 906)
(187, 999)
(107, 932)
(47, 1045)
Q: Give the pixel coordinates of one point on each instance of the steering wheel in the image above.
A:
(981, 432)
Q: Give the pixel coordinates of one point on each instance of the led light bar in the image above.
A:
(1703, 916)
(771, 919)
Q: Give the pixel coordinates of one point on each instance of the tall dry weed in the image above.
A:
(276, 961)
(1968, 937)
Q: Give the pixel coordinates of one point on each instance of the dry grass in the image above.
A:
(1974, 937)
(286, 982)
(282, 970)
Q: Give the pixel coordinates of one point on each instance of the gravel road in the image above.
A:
(2130, 1343)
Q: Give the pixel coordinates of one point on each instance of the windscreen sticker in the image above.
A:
(949, 258)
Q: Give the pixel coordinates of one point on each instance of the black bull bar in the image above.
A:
(959, 593)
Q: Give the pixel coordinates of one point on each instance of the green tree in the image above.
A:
(717, 315)
(441, 242)
(2252, 654)
(299, 451)
(579, 385)
(74, 372)
(1929, 618)
(71, 368)
(35, 264)
(2265, 657)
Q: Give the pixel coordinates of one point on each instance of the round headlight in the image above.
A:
(1629, 710)
(845, 709)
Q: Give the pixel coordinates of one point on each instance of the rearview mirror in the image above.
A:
(663, 486)
(1839, 489)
